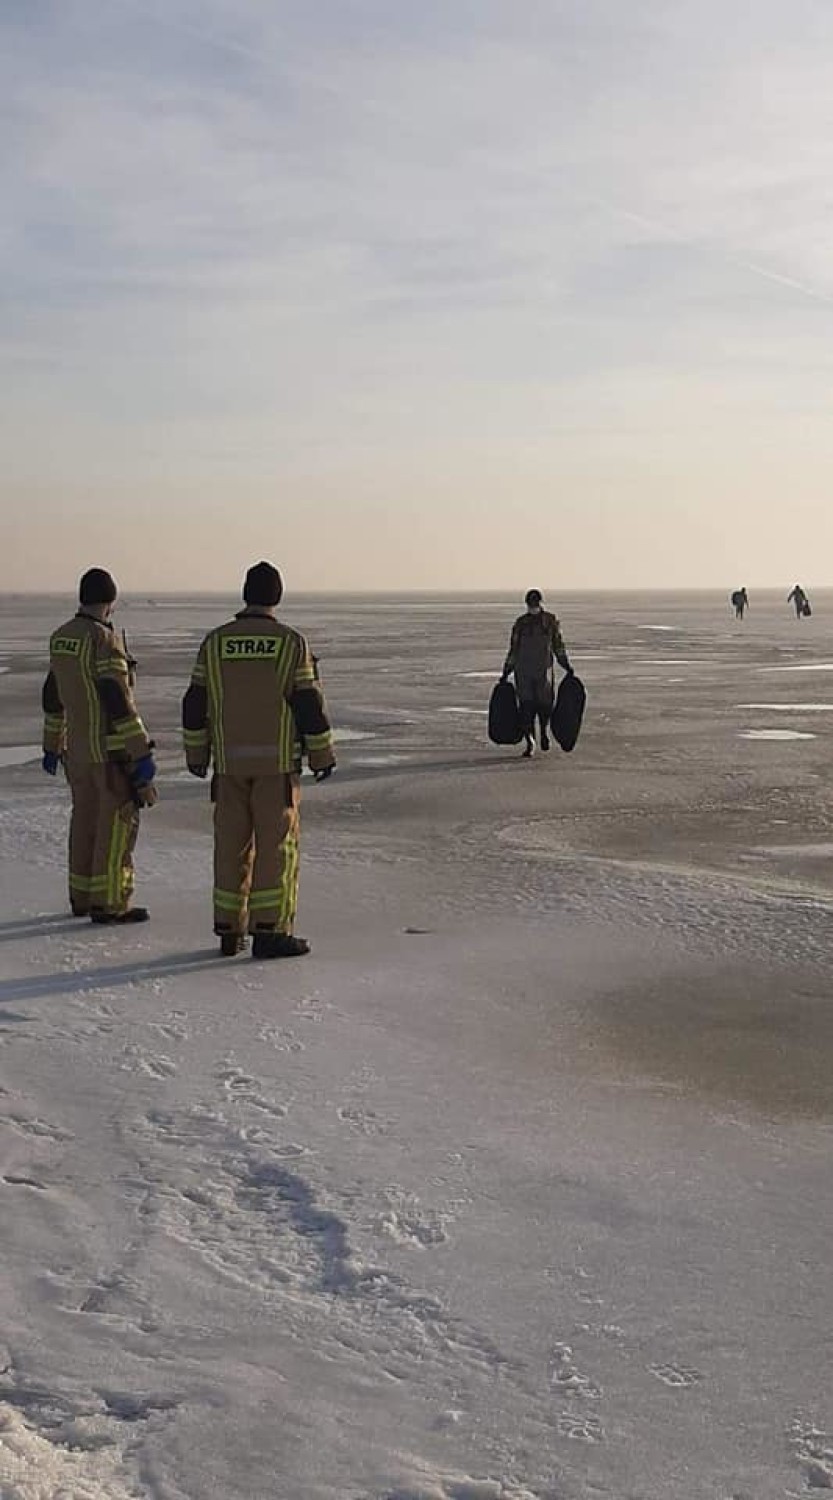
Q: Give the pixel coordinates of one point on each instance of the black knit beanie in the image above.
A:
(263, 585)
(97, 587)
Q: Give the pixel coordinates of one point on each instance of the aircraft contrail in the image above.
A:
(657, 225)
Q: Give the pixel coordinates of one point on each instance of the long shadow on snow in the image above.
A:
(75, 982)
(32, 927)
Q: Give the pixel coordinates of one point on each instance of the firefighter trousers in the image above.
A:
(256, 852)
(102, 836)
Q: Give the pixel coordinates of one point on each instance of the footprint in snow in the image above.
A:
(679, 1377)
(245, 1090)
(139, 1061)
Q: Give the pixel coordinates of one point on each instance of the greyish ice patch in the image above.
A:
(345, 736)
(775, 734)
(796, 851)
(657, 627)
(18, 755)
(784, 708)
(479, 712)
(377, 760)
(804, 666)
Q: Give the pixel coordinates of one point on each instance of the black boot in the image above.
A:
(119, 918)
(529, 747)
(232, 943)
(545, 740)
(278, 945)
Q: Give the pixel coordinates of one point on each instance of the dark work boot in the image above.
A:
(278, 945)
(545, 740)
(232, 943)
(79, 911)
(119, 918)
(529, 747)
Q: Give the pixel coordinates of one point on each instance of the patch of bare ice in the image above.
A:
(796, 851)
(803, 666)
(783, 708)
(775, 734)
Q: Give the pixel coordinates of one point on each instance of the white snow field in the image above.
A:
(519, 1187)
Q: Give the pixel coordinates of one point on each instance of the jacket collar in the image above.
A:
(255, 612)
(83, 614)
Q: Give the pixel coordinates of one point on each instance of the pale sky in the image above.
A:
(417, 293)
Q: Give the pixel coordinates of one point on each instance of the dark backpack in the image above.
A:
(568, 711)
(504, 716)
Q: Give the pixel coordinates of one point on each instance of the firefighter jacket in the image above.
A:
(255, 704)
(90, 715)
(536, 639)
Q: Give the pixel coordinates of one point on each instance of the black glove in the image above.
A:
(324, 774)
(200, 770)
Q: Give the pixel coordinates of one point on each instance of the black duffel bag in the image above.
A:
(504, 715)
(568, 712)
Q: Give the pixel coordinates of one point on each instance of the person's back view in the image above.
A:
(254, 707)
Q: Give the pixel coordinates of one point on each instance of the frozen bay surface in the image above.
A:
(519, 1188)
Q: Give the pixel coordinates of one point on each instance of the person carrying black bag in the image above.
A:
(536, 643)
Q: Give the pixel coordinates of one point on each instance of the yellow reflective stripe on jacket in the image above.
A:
(215, 701)
(195, 737)
(87, 663)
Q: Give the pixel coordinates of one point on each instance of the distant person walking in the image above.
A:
(535, 642)
(740, 603)
(802, 604)
(92, 727)
(254, 706)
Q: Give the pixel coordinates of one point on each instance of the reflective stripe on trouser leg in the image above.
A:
(117, 828)
(233, 852)
(274, 895)
(85, 789)
(123, 831)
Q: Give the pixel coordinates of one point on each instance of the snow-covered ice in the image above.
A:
(519, 1188)
(18, 755)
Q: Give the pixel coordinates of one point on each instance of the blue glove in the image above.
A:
(143, 771)
(51, 761)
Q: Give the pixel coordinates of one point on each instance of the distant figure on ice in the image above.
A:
(536, 639)
(253, 708)
(801, 602)
(92, 728)
(740, 603)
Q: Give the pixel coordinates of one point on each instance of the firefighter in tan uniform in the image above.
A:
(253, 707)
(536, 640)
(92, 728)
